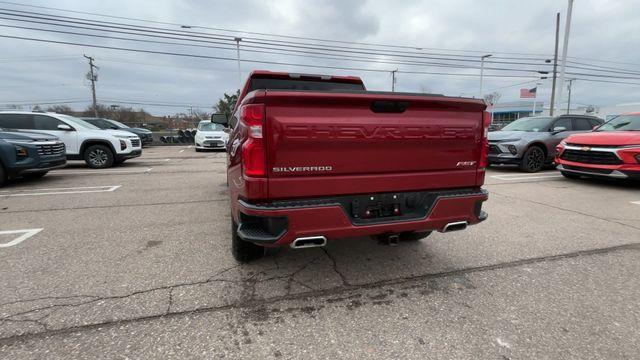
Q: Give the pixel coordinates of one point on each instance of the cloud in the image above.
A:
(605, 31)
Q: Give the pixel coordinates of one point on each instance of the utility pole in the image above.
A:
(569, 98)
(565, 48)
(237, 40)
(481, 95)
(393, 80)
(555, 65)
(93, 78)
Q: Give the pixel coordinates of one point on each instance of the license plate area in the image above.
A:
(390, 207)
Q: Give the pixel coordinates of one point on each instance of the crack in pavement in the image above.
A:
(568, 210)
(335, 267)
(250, 301)
(47, 298)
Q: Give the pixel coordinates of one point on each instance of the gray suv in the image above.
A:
(530, 142)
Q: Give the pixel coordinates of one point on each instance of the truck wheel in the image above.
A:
(533, 160)
(414, 236)
(3, 176)
(244, 251)
(98, 156)
(569, 175)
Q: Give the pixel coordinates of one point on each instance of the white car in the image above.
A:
(98, 148)
(210, 136)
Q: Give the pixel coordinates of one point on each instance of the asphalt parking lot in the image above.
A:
(134, 262)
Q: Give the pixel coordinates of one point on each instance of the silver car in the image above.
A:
(530, 142)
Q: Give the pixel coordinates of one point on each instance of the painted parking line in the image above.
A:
(636, 202)
(100, 172)
(24, 235)
(149, 161)
(59, 191)
(513, 177)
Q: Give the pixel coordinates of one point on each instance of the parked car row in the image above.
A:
(580, 146)
(32, 143)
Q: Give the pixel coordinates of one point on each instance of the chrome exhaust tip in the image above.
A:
(455, 226)
(309, 242)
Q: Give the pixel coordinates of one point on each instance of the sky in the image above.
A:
(604, 39)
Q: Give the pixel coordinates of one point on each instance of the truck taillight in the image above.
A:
(484, 150)
(254, 161)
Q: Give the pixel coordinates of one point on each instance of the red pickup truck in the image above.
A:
(313, 158)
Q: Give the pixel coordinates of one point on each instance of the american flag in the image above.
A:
(528, 93)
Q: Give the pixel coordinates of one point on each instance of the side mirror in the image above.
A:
(114, 127)
(227, 130)
(595, 127)
(219, 119)
(559, 129)
(64, 127)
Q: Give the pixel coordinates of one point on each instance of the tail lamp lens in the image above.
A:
(484, 150)
(254, 162)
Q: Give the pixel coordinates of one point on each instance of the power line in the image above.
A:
(351, 57)
(250, 60)
(293, 37)
(272, 35)
(344, 58)
(223, 39)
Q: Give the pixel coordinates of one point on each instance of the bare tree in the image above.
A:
(61, 109)
(492, 98)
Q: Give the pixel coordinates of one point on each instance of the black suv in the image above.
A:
(145, 135)
(29, 154)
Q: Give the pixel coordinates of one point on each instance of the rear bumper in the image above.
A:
(283, 224)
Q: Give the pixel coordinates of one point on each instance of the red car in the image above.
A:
(313, 158)
(611, 150)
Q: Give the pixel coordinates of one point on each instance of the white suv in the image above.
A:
(98, 148)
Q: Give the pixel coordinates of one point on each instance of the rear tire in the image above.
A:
(569, 175)
(98, 157)
(533, 160)
(244, 251)
(3, 176)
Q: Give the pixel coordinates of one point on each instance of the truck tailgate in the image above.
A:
(347, 143)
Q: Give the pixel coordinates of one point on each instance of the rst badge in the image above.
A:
(465, 163)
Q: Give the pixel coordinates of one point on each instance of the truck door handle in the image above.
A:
(386, 106)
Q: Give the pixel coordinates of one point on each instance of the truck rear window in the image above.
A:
(300, 84)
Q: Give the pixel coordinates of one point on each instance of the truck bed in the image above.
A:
(360, 142)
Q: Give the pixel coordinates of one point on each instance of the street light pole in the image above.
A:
(565, 47)
(569, 98)
(481, 95)
(393, 80)
(555, 66)
(237, 40)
